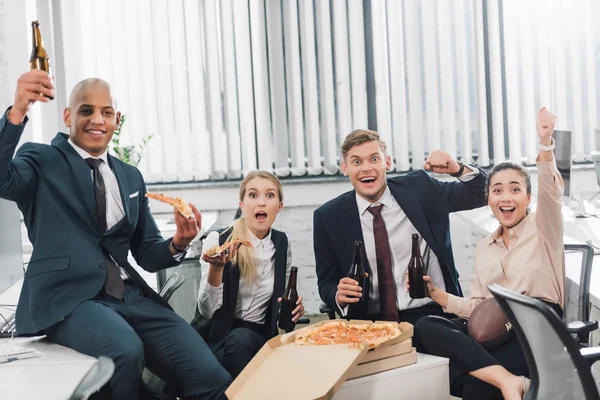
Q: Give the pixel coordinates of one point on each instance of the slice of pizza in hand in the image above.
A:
(180, 205)
(217, 250)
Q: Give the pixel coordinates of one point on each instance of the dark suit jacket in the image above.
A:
(53, 188)
(215, 330)
(427, 203)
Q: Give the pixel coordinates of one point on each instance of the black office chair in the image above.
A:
(559, 369)
(173, 283)
(96, 377)
(324, 309)
(580, 325)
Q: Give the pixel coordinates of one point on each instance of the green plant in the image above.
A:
(130, 154)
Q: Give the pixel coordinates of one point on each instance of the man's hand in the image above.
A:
(348, 292)
(32, 86)
(546, 121)
(441, 163)
(187, 228)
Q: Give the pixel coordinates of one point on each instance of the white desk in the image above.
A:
(427, 379)
(54, 375)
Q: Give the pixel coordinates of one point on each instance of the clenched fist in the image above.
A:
(441, 163)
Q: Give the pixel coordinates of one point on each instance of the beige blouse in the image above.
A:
(534, 263)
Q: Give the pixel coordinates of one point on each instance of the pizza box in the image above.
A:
(373, 367)
(283, 370)
(380, 353)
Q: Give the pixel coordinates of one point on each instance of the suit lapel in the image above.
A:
(82, 174)
(120, 173)
(351, 228)
(416, 215)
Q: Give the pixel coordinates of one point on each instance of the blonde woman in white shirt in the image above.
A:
(239, 293)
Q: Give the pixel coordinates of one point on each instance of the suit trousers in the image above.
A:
(137, 332)
(449, 338)
(238, 348)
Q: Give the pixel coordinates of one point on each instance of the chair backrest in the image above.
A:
(577, 285)
(557, 369)
(171, 285)
(96, 377)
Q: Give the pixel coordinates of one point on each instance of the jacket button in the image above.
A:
(101, 266)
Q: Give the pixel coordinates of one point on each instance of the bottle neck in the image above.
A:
(293, 279)
(36, 36)
(416, 249)
(357, 258)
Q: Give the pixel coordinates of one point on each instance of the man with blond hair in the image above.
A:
(383, 213)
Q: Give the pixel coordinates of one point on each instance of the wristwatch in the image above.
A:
(460, 171)
(178, 250)
(548, 148)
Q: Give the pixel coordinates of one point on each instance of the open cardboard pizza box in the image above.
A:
(283, 370)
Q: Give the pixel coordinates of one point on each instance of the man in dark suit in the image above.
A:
(384, 213)
(84, 211)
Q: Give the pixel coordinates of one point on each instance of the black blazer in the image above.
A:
(215, 330)
(427, 203)
(53, 188)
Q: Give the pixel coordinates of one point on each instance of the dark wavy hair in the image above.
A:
(503, 166)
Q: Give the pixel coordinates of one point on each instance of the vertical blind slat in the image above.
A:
(413, 72)
(496, 94)
(279, 104)
(483, 154)
(358, 72)
(398, 86)
(326, 88)
(232, 127)
(342, 69)
(430, 75)
(294, 87)
(447, 78)
(590, 76)
(309, 87)
(261, 86)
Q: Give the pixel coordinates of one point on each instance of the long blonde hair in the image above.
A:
(244, 257)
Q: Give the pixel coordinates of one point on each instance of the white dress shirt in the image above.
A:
(254, 295)
(400, 231)
(114, 205)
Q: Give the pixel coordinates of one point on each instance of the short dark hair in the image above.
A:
(503, 166)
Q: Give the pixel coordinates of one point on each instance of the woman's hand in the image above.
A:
(435, 293)
(546, 121)
(298, 311)
(220, 260)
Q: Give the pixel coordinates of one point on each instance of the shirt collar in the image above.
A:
(386, 199)
(513, 233)
(256, 241)
(84, 154)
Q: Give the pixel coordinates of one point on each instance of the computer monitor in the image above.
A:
(564, 157)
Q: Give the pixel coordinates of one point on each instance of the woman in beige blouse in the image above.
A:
(525, 254)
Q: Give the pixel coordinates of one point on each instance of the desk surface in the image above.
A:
(54, 375)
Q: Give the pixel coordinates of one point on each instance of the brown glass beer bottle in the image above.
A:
(416, 270)
(288, 303)
(39, 57)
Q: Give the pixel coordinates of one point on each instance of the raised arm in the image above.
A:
(210, 292)
(326, 261)
(18, 176)
(549, 219)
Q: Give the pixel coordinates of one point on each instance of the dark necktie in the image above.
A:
(385, 277)
(113, 284)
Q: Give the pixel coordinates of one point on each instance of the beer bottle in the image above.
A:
(288, 303)
(416, 271)
(39, 58)
(357, 271)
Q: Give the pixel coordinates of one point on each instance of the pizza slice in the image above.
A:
(180, 205)
(216, 250)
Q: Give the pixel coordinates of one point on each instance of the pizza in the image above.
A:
(216, 250)
(180, 205)
(338, 332)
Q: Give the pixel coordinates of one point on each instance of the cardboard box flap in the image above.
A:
(295, 372)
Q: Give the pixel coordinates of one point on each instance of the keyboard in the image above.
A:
(7, 328)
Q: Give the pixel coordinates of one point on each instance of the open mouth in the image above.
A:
(367, 179)
(507, 210)
(261, 216)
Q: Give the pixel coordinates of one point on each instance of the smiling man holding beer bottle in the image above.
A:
(84, 211)
(384, 213)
